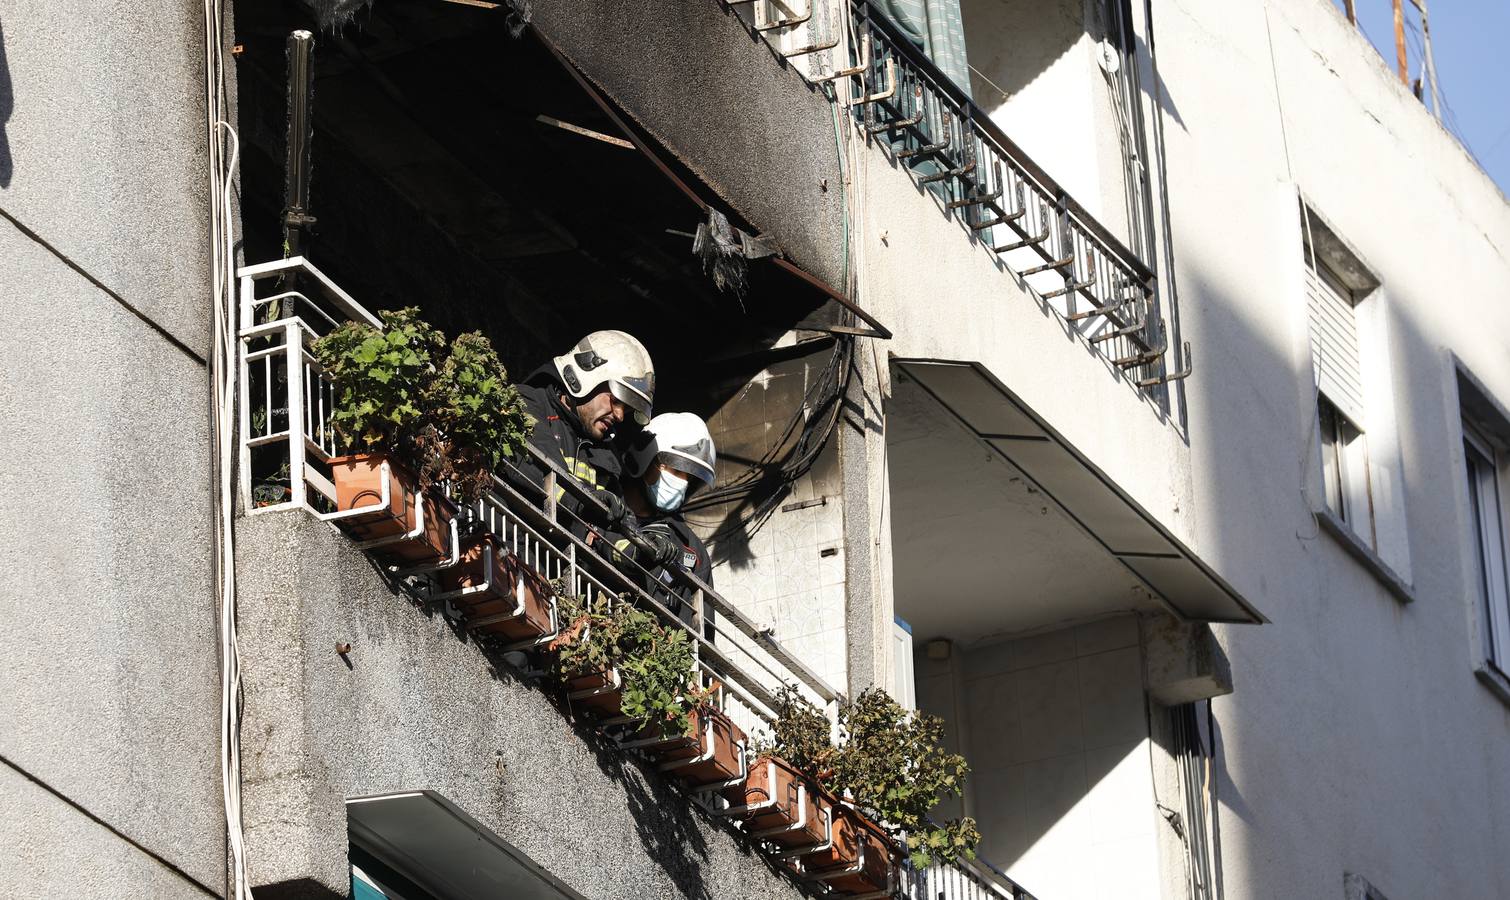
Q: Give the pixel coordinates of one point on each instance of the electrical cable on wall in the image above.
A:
(765, 482)
(223, 150)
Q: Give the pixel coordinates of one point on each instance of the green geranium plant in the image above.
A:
(447, 408)
(654, 662)
(889, 761)
(894, 765)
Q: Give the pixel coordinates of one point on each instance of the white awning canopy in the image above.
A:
(428, 840)
(1097, 507)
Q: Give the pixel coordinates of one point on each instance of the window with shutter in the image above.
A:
(1334, 341)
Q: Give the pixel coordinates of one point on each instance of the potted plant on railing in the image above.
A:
(476, 423)
(891, 769)
(781, 799)
(405, 407)
(622, 664)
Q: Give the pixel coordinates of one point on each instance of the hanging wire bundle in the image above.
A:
(757, 491)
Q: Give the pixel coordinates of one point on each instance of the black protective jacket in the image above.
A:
(676, 595)
(560, 438)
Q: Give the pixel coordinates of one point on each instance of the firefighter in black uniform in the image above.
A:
(579, 401)
(671, 459)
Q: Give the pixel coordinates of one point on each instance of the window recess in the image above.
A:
(1485, 470)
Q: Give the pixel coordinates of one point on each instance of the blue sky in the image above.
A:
(1473, 68)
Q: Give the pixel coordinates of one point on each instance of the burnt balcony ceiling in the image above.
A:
(443, 177)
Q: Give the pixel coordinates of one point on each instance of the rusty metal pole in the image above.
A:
(1400, 44)
(1352, 14)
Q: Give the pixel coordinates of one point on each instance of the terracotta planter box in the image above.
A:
(696, 765)
(359, 483)
(506, 584)
(600, 693)
(861, 860)
(785, 813)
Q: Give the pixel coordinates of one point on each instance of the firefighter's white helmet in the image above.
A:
(681, 440)
(613, 358)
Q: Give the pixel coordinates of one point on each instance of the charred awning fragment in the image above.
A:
(726, 250)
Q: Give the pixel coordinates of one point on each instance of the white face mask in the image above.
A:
(669, 490)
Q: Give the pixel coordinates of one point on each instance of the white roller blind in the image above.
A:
(1334, 342)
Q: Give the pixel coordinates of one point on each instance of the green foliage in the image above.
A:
(381, 377)
(892, 762)
(800, 735)
(655, 663)
(453, 414)
(478, 414)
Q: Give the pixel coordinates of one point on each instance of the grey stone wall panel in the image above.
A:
(108, 675)
(420, 707)
(53, 850)
(103, 151)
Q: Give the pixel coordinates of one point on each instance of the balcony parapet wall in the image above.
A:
(692, 75)
(420, 707)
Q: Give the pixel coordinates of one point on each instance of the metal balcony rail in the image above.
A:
(1002, 197)
(964, 880)
(1064, 254)
(285, 467)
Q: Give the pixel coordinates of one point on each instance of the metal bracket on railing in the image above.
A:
(811, 48)
(825, 844)
(976, 200)
(1114, 333)
(860, 69)
(1074, 285)
(1100, 311)
(1141, 359)
(925, 149)
(1035, 240)
(385, 498)
(956, 172)
(789, 22)
(1173, 376)
(887, 94)
(1005, 218)
(446, 563)
(908, 122)
(1051, 265)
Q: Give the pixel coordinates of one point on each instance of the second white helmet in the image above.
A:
(682, 440)
(614, 358)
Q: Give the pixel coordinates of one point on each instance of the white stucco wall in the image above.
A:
(1358, 739)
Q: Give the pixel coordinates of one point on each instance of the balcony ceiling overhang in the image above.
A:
(1101, 541)
(445, 851)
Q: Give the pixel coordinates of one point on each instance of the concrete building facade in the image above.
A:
(1156, 386)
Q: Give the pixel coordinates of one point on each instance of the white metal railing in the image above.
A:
(965, 880)
(280, 381)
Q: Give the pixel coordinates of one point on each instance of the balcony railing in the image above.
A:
(1002, 197)
(284, 467)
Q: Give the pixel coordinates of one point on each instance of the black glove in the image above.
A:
(617, 512)
(664, 551)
